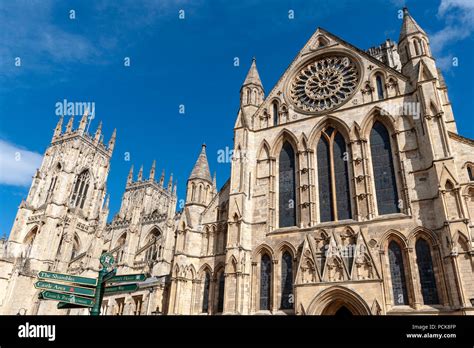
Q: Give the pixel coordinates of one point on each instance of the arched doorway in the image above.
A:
(339, 301)
(339, 308)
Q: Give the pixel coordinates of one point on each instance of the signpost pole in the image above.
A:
(99, 292)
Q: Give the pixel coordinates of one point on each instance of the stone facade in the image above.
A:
(350, 193)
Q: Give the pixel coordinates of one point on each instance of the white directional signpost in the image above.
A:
(81, 292)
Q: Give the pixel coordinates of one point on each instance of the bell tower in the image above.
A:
(58, 224)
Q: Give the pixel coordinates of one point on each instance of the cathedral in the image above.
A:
(351, 193)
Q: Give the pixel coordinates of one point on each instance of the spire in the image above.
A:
(112, 140)
(252, 76)
(170, 183)
(69, 125)
(140, 174)
(130, 176)
(59, 128)
(201, 168)
(214, 184)
(82, 124)
(409, 26)
(152, 171)
(175, 187)
(98, 132)
(162, 179)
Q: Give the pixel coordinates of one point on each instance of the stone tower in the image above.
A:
(59, 224)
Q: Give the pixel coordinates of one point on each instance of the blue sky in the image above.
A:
(177, 62)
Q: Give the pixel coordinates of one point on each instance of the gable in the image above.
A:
(328, 74)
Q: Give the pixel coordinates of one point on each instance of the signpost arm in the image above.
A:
(99, 293)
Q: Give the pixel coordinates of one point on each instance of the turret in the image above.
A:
(251, 92)
(199, 186)
(413, 47)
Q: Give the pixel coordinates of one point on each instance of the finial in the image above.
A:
(98, 132)
(82, 124)
(112, 140)
(162, 179)
(140, 174)
(152, 171)
(59, 127)
(170, 183)
(69, 125)
(130, 176)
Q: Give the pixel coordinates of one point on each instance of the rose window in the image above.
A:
(324, 84)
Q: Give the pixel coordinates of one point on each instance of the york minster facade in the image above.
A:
(351, 192)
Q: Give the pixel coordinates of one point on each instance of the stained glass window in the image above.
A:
(384, 173)
(287, 194)
(286, 281)
(324, 180)
(205, 296)
(265, 282)
(426, 272)
(333, 181)
(397, 273)
(341, 177)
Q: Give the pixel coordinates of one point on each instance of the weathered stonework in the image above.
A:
(232, 250)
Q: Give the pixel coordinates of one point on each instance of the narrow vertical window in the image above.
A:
(426, 272)
(384, 172)
(379, 83)
(286, 281)
(205, 296)
(220, 297)
(341, 178)
(470, 173)
(287, 187)
(397, 273)
(265, 282)
(275, 113)
(324, 180)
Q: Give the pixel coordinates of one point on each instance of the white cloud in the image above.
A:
(459, 23)
(17, 165)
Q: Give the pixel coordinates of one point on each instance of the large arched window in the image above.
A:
(384, 172)
(397, 273)
(220, 294)
(153, 245)
(286, 281)
(380, 87)
(80, 189)
(333, 177)
(205, 295)
(265, 282)
(426, 272)
(287, 186)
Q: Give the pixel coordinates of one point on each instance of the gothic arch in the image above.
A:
(202, 271)
(324, 122)
(264, 151)
(220, 267)
(422, 232)
(232, 265)
(284, 135)
(392, 235)
(30, 236)
(262, 249)
(151, 231)
(190, 272)
(328, 301)
(374, 115)
(284, 245)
